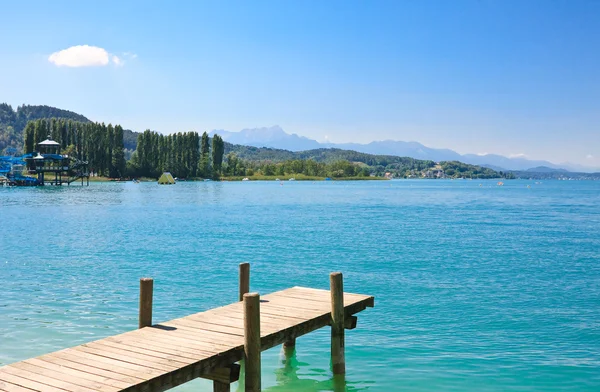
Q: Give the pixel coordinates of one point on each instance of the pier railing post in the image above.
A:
(145, 316)
(244, 279)
(338, 360)
(252, 341)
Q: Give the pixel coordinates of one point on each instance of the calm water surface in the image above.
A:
(477, 287)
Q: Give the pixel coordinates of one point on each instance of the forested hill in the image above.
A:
(379, 165)
(320, 155)
(12, 122)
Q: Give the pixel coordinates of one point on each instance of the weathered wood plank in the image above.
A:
(62, 380)
(9, 387)
(31, 380)
(71, 362)
(61, 369)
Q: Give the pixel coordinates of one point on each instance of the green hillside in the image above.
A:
(12, 122)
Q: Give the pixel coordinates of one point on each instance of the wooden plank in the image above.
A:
(63, 380)
(201, 324)
(290, 309)
(142, 361)
(267, 319)
(61, 369)
(268, 323)
(10, 387)
(153, 348)
(319, 295)
(29, 380)
(110, 364)
(299, 303)
(195, 331)
(205, 330)
(162, 345)
(93, 370)
(314, 291)
(203, 342)
(145, 355)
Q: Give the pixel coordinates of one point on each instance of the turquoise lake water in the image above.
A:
(478, 287)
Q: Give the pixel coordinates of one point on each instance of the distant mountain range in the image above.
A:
(275, 137)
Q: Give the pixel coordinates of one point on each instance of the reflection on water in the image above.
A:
(289, 377)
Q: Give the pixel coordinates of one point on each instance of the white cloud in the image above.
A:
(481, 154)
(87, 56)
(117, 61)
(590, 156)
(521, 155)
(80, 56)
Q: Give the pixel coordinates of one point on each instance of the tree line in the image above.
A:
(190, 155)
(235, 166)
(99, 144)
(183, 154)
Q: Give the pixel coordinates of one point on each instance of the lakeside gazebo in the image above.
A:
(50, 160)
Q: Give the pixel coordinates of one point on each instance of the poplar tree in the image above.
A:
(29, 137)
(217, 154)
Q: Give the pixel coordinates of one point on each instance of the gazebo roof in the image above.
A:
(48, 142)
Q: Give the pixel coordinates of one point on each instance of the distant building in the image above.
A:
(435, 173)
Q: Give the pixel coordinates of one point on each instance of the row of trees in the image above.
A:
(235, 166)
(99, 144)
(183, 154)
(102, 146)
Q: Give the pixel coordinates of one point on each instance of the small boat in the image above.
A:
(277, 179)
(500, 183)
(292, 179)
(246, 179)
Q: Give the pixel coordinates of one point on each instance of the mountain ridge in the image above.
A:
(276, 137)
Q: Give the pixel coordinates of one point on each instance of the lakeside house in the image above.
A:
(434, 173)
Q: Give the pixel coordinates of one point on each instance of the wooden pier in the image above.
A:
(158, 357)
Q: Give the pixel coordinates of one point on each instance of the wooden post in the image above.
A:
(244, 279)
(290, 344)
(219, 386)
(145, 317)
(338, 360)
(252, 341)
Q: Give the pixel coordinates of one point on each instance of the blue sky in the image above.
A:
(507, 77)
